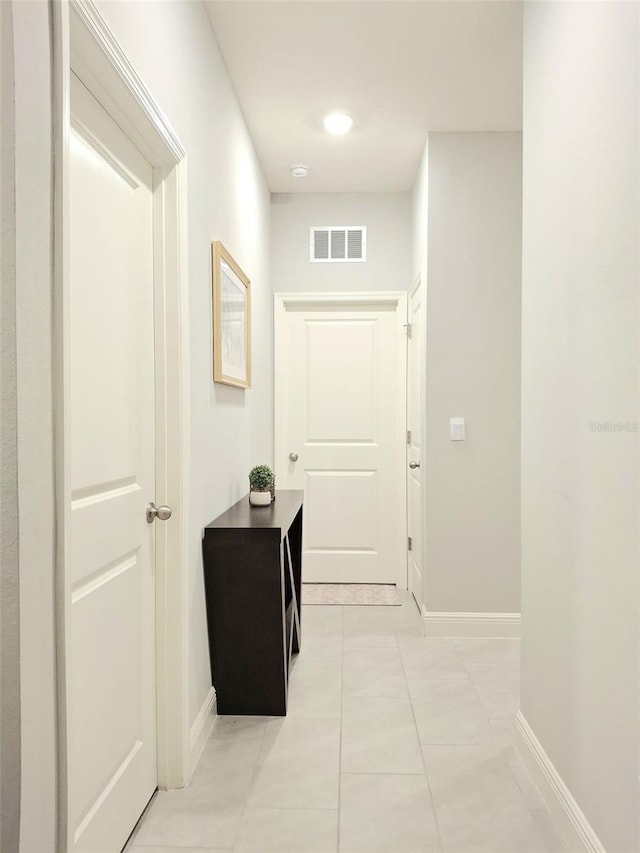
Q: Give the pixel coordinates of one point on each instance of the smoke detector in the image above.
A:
(299, 170)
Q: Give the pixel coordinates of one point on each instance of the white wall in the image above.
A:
(9, 601)
(580, 495)
(472, 546)
(420, 217)
(388, 220)
(32, 44)
(172, 47)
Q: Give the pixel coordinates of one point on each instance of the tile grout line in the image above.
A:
(415, 723)
(250, 788)
(481, 703)
(496, 743)
(424, 763)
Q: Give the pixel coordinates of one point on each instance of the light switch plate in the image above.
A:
(457, 429)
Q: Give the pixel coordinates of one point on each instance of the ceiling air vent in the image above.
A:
(338, 243)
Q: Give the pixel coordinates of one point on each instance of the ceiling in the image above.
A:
(401, 68)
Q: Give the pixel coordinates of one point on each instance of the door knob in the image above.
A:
(414, 465)
(293, 457)
(161, 512)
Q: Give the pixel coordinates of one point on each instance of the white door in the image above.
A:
(415, 408)
(341, 421)
(110, 415)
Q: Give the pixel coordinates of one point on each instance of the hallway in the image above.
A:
(393, 743)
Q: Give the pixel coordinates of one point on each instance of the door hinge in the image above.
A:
(408, 436)
(408, 543)
(408, 327)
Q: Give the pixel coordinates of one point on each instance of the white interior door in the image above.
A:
(341, 423)
(110, 415)
(415, 414)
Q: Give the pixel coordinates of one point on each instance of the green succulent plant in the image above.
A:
(261, 478)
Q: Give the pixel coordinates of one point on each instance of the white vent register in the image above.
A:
(338, 243)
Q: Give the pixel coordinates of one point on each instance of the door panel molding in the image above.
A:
(84, 45)
(395, 300)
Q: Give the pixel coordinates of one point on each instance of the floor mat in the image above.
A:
(350, 593)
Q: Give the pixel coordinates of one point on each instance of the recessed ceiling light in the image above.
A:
(338, 123)
(299, 170)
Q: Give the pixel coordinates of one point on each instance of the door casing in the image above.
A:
(418, 282)
(84, 43)
(397, 299)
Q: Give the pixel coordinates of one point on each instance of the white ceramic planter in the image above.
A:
(260, 498)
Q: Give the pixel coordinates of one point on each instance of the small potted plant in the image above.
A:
(261, 485)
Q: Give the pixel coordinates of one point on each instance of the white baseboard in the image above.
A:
(502, 625)
(201, 729)
(566, 813)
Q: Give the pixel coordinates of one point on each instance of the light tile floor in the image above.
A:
(394, 743)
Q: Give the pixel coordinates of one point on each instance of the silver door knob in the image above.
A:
(161, 512)
(414, 465)
(293, 457)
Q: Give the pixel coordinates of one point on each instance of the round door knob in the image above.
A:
(293, 457)
(161, 512)
(414, 465)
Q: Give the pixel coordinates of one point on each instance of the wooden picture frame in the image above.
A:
(231, 320)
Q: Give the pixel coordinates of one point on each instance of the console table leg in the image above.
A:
(296, 612)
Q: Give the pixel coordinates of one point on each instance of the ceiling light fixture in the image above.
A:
(338, 123)
(299, 170)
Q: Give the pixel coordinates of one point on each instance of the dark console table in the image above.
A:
(252, 574)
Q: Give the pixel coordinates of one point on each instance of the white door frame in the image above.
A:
(418, 281)
(83, 43)
(397, 299)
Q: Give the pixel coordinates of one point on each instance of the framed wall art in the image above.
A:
(231, 320)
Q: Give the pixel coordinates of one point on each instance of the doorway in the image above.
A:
(415, 443)
(111, 422)
(121, 439)
(340, 430)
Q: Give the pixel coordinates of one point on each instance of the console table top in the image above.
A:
(277, 516)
